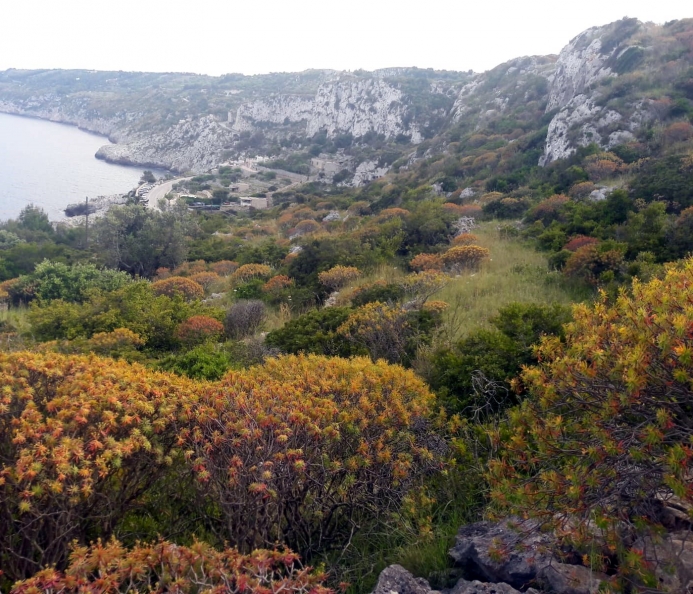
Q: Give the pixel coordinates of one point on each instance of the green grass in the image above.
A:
(515, 272)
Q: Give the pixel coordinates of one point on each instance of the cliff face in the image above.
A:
(577, 91)
(354, 107)
(595, 91)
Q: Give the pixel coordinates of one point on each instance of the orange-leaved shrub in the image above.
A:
(426, 262)
(464, 256)
(199, 329)
(81, 438)
(548, 210)
(178, 285)
(590, 264)
(580, 241)
(223, 267)
(305, 449)
(277, 283)
(163, 567)
(465, 239)
(338, 276)
(205, 279)
(604, 439)
(250, 271)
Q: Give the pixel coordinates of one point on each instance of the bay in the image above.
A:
(52, 165)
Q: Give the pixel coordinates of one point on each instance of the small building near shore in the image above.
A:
(251, 201)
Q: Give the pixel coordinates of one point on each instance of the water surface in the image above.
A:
(52, 165)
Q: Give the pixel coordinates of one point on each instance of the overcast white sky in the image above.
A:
(258, 36)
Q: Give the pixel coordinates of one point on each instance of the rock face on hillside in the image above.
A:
(591, 93)
(583, 118)
(354, 107)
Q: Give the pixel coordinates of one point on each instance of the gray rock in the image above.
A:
(504, 552)
(600, 194)
(477, 587)
(397, 580)
(672, 560)
(570, 579)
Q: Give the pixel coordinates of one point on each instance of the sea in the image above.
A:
(53, 165)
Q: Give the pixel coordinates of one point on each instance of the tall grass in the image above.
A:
(515, 272)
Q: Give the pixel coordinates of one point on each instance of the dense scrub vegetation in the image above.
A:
(349, 375)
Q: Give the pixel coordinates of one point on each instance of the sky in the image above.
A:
(260, 36)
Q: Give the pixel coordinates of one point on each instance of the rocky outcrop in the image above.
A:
(350, 106)
(397, 580)
(194, 145)
(583, 117)
(507, 557)
(358, 107)
(278, 109)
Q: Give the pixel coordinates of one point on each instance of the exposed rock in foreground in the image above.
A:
(509, 557)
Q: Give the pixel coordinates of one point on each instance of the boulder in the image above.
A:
(477, 587)
(671, 557)
(562, 578)
(508, 551)
(397, 580)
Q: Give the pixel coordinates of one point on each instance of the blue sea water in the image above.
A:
(52, 165)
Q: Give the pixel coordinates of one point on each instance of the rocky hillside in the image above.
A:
(606, 87)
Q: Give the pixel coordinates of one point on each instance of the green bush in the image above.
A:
(498, 355)
(314, 332)
(205, 362)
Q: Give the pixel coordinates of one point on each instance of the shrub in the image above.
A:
(306, 227)
(389, 332)
(250, 271)
(223, 267)
(464, 256)
(422, 285)
(204, 362)
(582, 190)
(605, 439)
(378, 291)
(314, 332)
(465, 239)
(121, 342)
(155, 567)
(244, 318)
(426, 262)
(199, 329)
(580, 241)
(205, 279)
(360, 208)
(338, 276)
(69, 434)
(678, 132)
(548, 210)
(498, 355)
(277, 284)
(470, 210)
(305, 449)
(589, 264)
(54, 280)
(178, 286)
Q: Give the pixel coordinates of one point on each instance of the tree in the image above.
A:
(33, 218)
(605, 437)
(147, 177)
(140, 240)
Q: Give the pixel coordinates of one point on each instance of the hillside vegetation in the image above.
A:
(292, 398)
